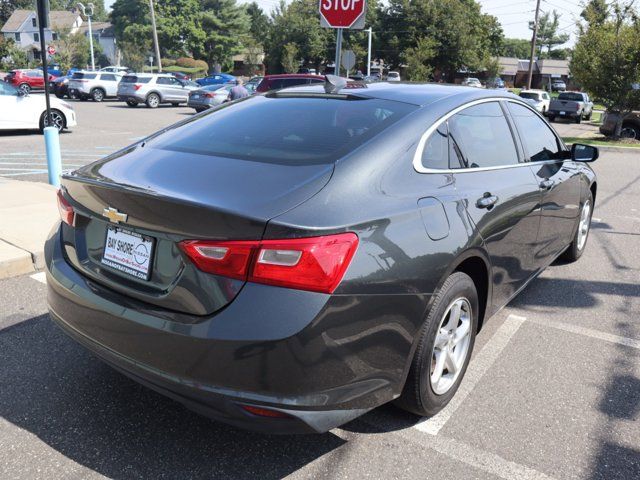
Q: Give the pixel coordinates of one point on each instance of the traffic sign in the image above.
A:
(51, 50)
(348, 59)
(342, 13)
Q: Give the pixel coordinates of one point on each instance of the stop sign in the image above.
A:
(51, 50)
(341, 13)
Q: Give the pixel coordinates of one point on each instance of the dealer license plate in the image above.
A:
(128, 252)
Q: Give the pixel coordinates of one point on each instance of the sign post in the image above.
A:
(341, 14)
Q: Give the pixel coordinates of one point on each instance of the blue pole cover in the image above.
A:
(54, 157)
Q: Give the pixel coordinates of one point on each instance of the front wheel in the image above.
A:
(579, 118)
(24, 88)
(56, 119)
(153, 100)
(576, 249)
(444, 349)
(97, 94)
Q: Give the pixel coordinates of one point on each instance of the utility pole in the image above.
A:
(369, 55)
(155, 36)
(88, 12)
(533, 45)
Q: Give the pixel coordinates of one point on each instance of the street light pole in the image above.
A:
(88, 12)
(533, 45)
(369, 55)
(336, 71)
(155, 36)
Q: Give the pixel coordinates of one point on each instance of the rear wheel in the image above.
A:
(56, 119)
(153, 100)
(630, 131)
(175, 104)
(575, 250)
(59, 95)
(444, 349)
(24, 87)
(552, 118)
(97, 94)
(578, 119)
(131, 103)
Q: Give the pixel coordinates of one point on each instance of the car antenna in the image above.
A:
(333, 83)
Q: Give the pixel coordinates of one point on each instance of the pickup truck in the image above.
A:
(573, 105)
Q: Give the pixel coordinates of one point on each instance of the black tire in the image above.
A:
(552, 118)
(175, 104)
(576, 249)
(59, 95)
(25, 88)
(630, 131)
(418, 395)
(97, 94)
(200, 110)
(578, 119)
(61, 124)
(153, 100)
(83, 98)
(132, 104)
(588, 117)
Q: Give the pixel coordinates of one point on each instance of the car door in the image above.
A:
(558, 179)
(500, 194)
(9, 111)
(36, 79)
(110, 84)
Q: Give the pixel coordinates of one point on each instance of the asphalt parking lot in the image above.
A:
(553, 390)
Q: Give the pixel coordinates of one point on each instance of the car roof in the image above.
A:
(293, 75)
(532, 90)
(420, 94)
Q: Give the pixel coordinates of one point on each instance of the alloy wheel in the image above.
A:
(583, 227)
(451, 346)
(55, 119)
(25, 88)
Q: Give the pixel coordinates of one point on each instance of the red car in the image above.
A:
(276, 82)
(27, 80)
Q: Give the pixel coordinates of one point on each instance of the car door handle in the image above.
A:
(487, 201)
(547, 184)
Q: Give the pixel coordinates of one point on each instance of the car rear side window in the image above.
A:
(441, 151)
(538, 140)
(81, 75)
(482, 134)
(289, 130)
(135, 79)
(109, 77)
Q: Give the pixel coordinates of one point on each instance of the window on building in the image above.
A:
(36, 37)
(34, 22)
(17, 36)
(54, 36)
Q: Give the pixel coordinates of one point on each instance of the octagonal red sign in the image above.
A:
(341, 13)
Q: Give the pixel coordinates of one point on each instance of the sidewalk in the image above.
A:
(28, 210)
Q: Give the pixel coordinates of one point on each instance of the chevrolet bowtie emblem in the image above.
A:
(114, 215)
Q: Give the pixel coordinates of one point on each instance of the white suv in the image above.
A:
(94, 85)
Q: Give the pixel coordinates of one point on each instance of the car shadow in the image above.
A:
(25, 133)
(99, 418)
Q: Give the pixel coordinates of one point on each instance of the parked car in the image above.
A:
(27, 80)
(472, 82)
(276, 82)
(558, 86)
(216, 78)
(288, 272)
(572, 105)
(94, 85)
(311, 71)
(252, 84)
(53, 69)
(116, 69)
(630, 125)
(60, 86)
(539, 99)
(181, 76)
(393, 77)
(154, 89)
(496, 82)
(209, 96)
(19, 110)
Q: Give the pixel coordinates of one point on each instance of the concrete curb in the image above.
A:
(28, 211)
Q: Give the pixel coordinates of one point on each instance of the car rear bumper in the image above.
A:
(130, 97)
(563, 114)
(311, 356)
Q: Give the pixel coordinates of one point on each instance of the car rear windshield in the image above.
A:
(532, 95)
(135, 79)
(573, 97)
(81, 75)
(286, 130)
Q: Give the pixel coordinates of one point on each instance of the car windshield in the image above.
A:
(290, 130)
(531, 95)
(573, 97)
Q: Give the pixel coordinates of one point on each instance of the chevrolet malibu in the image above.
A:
(293, 260)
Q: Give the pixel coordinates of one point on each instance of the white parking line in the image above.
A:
(589, 332)
(476, 370)
(40, 277)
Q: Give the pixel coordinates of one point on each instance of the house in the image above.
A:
(104, 35)
(22, 27)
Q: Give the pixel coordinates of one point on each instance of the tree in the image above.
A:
(606, 59)
(595, 12)
(419, 58)
(515, 47)
(99, 13)
(259, 22)
(290, 58)
(548, 35)
(7, 7)
(492, 67)
(73, 50)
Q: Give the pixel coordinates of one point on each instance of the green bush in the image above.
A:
(202, 66)
(186, 62)
(168, 62)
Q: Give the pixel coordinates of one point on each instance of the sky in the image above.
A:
(513, 15)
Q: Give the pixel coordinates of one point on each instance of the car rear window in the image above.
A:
(81, 75)
(573, 97)
(286, 130)
(531, 95)
(135, 79)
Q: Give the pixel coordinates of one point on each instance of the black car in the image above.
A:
(293, 260)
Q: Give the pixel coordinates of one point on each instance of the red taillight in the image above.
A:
(137, 86)
(209, 95)
(67, 215)
(265, 412)
(316, 263)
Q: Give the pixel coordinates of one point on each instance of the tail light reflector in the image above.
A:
(264, 412)
(316, 263)
(137, 86)
(209, 95)
(67, 214)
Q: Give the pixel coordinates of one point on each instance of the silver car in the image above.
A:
(94, 85)
(209, 96)
(154, 89)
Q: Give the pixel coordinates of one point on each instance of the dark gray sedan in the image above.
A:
(293, 260)
(209, 96)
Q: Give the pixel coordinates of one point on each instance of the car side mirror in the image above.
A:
(584, 153)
